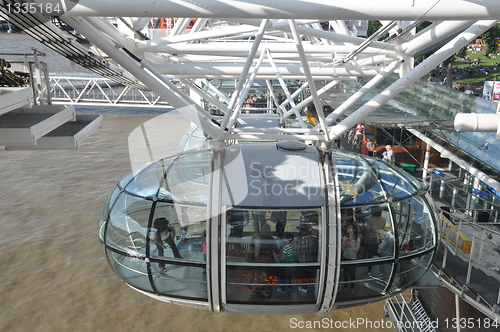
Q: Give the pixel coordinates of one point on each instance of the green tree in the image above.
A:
(373, 26)
(490, 38)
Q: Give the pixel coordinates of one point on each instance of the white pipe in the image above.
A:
(289, 97)
(457, 311)
(206, 34)
(208, 97)
(364, 45)
(265, 77)
(220, 95)
(476, 122)
(361, 92)
(307, 71)
(140, 23)
(436, 32)
(250, 26)
(200, 70)
(306, 101)
(339, 27)
(430, 10)
(179, 26)
(329, 35)
(238, 96)
(280, 58)
(198, 25)
(285, 102)
(106, 27)
(237, 47)
(228, 122)
(427, 156)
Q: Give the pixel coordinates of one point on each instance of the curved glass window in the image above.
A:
(131, 269)
(127, 225)
(183, 242)
(410, 269)
(272, 256)
(125, 180)
(364, 180)
(161, 257)
(187, 225)
(145, 182)
(107, 207)
(368, 251)
(126, 236)
(195, 139)
(385, 240)
(186, 177)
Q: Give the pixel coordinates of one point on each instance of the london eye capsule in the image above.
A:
(269, 228)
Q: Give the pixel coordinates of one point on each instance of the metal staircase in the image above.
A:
(407, 314)
(421, 316)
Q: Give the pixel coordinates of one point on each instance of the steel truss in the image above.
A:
(275, 40)
(99, 91)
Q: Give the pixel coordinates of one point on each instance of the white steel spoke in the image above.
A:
(238, 97)
(289, 97)
(309, 78)
(311, 45)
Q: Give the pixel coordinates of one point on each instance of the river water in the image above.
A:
(53, 275)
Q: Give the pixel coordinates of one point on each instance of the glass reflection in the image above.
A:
(183, 281)
(365, 180)
(127, 226)
(410, 269)
(131, 269)
(145, 183)
(365, 285)
(187, 226)
(272, 255)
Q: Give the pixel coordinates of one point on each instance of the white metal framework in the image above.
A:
(312, 41)
(94, 90)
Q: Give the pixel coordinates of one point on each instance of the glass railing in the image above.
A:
(459, 194)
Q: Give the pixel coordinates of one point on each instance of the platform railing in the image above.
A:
(99, 91)
(458, 193)
(483, 253)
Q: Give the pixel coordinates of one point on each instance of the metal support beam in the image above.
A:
(411, 77)
(325, 10)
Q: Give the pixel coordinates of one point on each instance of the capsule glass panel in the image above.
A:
(127, 225)
(272, 256)
(366, 180)
(132, 269)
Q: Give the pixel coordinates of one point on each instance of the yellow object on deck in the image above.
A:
(310, 118)
(450, 233)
